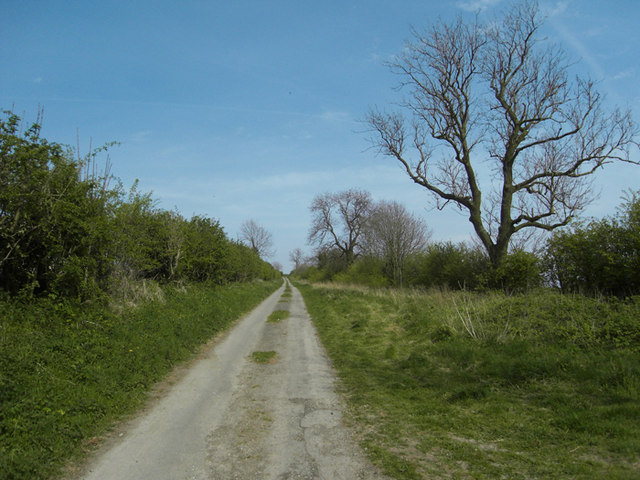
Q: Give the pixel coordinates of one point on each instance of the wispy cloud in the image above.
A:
(579, 46)
(555, 8)
(335, 116)
(629, 72)
(477, 5)
(139, 136)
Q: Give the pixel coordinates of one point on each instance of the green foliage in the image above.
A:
(448, 265)
(441, 265)
(264, 357)
(206, 247)
(331, 262)
(243, 263)
(68, 236)
(520, 271)
(366, 271)
(139, 236)
(278, 315)
(310, 273)
(69, 370)
(549, 387)
(53, 234)
(600, 257)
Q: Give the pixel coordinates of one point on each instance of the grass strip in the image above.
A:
(278, 315)
(264, 357)
(459, 385)
(69, 371)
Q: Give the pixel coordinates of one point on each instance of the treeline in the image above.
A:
(597, 257)
(66, 231)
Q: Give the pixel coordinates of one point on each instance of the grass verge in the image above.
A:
(68, 371)
(459, 385)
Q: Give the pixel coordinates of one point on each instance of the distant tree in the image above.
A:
(277, 266)
(495, 94)
(297, 257)
(257, 237)
(393, 234)
(338, 220)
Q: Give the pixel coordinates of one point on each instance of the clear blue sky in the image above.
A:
(248, 109)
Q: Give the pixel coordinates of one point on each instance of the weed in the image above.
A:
(278, 315)
(264, 357)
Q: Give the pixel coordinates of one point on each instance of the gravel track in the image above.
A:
(231, 418)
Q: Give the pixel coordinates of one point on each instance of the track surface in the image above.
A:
(231, 418)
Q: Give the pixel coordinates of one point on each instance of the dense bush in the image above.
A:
(448, 265)
(441, 265)
(53, 232)
(368, 271)
(64, 231)
(519, 272)
(602, 256)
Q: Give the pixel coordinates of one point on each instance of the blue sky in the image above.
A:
(247, 109)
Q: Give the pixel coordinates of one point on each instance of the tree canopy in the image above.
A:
(496, 94)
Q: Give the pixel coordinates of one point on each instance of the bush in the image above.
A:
(600, 257)
(65, 232)
(366, 271)
(519, 272)
(448, 265)
(53, 234)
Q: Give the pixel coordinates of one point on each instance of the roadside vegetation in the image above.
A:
(598, 257)
(455, 384)
(101, 294)
(69, 371)
(526, 370)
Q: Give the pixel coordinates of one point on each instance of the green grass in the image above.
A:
(459, 385)
(278, 315)
(68, 371)
(287, 294)
(264, 357)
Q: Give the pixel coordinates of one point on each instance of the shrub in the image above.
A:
(519, 272)
(600, 257)
(366, 271)
(448, 265)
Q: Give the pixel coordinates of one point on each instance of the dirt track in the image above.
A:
(231, 418)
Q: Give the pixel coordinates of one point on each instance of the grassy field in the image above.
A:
(67, 371)
(486, 386)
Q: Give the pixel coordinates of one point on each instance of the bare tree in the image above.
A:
(297, 257)
(496, 94)
(392, 233)
(257, 237)
(338, 219)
